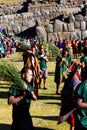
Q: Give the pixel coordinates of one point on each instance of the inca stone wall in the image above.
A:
(49, 20)
(61, 30)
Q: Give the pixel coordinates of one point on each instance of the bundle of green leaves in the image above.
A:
(53, 50)
(9, 72)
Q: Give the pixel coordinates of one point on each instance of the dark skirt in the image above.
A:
(21, 117)
(22, 124)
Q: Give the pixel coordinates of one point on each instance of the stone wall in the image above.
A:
(49, 20)
(11, 8)
(61, 30)
(18, 22)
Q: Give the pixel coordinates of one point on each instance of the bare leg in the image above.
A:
(71, 127)
(57, 88)
(44, 83)
(40, 83)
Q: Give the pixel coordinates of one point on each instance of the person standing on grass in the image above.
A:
(81, 103)
(21, 100)
(67, 94)
(42, 57)
(31, 61)
(61, 69)
(83, 60)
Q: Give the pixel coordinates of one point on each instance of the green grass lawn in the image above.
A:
(44, 111)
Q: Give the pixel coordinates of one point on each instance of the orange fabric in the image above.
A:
(68, 41)
(37, 76)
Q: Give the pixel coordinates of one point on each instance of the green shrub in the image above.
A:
(53, 50)
(24, 47)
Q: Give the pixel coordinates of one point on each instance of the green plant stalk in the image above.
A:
(8, 72)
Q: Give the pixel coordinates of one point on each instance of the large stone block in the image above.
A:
(16, 28)
(58, 26)
(83, 26)
(85, 18)
(79, 17)
(60, 36)
(75, 34)
(27, 15)
(31, 23)
(65, 28)
(49, 28)
(77, 25)
(71, 18)
(71, 27)
(66, 35)
(24, 28)
(41, 33)
(9, 29)
(51, 37)
(84, 34)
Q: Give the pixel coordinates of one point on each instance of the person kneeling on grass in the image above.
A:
(21, 100)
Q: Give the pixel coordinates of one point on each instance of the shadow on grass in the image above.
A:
(15, 60)
(8, 127)
(4, 87)
(51, 73)
(52, 118)
(5, 127)
(53, 103)
(3, 95)
(40, 128)
(49, 97)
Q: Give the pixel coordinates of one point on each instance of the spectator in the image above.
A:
(2, 51)
(8, 48)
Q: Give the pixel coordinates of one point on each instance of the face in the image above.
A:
(79, 70)
(28, 76)
(66, 53)
(33, 50)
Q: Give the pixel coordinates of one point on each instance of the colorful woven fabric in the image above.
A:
(65, 117)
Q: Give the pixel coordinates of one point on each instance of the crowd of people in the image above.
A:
(70, 50)
(75, 45)
(74, 75)
(10, 44)
(67, 70)
(33, 71)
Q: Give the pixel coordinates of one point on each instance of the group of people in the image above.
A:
(73, 94)
(11, 44)
(36, 58)
(75, 45)
(69, 51)
(71, 72)
(7, 45)
(33, 71)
